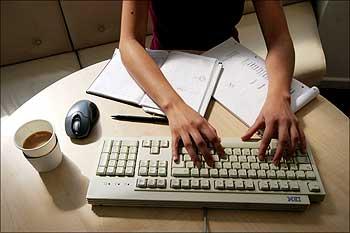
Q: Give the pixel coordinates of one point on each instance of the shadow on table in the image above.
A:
(66, 185)
(94, 136)
(147, 212)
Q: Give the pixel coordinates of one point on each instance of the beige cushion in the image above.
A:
(22, 81)
(31, 29)
(93, 23)
(310, 60)
(96, 54)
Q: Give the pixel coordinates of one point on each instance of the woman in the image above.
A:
(200, 25)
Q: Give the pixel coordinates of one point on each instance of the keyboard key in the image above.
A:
(113, 156)
(152, 171)
(195, 172)
(175, 183)
(195, 184)
(155, 143)
(233, 158)
(264, 166)
(310, 175)
(245, 166)
(121, 163)
(180, 172)
(280, 174)
(236, 165)
(294, 186)
(143, 163)
(162, 171)
(274, 185)
(132, 150)
(314, 187)
(252, 174)
(229, 185)
(151, 183)
(237, 151)
(154, 150)
(293, 167)
(300, 175)
(130, 143)
(214, 172)
(189, 164)
(227, 165)
(181, 164)
(115, 149)
(242, 159)
(164, 143)
(284, 185)
(141, 183)
(124, 149)
(254, 152)
(216, 158)
(271, 174)
(119, 171)
(187, 157)
(228, 151)
(163, 163)
(205, 184)
(161, 183)
(116, 143)
(223, 173)
(131, 156)
(251, 159)
(130, 163)
(101, 171)
(204, 172)
(273, 167)
(255, 166)
(261, 174)
(305, 167)
(153, 163)
(107, 146)
(219, 184)
(249, 185)
(264, 185)
(284, 166)
(129, 171)
(185, 184)
(112, 163)
(242, 173)
(232, 173)
(146, 143)
(246, 151)
(217, 165)
(104, 160)
(123, 156)
(239, 184)
(290, 175)
(143, 171)
(303, 159)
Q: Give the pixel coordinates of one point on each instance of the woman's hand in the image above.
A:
(278, 120)
(194, 131)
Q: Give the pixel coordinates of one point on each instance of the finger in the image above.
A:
(265, 141)
(210, 133)
(175, 147)
(258, 124)
(294, 138)
(283, 143)
(302, 139)
(190, 149)
(202, 146)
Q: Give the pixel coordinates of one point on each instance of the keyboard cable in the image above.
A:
(205, 220)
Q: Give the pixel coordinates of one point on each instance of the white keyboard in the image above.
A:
(139, 171)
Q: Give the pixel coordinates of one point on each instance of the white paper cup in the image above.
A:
(45, 157)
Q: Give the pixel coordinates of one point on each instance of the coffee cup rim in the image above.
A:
(35, 148)
(28, 157)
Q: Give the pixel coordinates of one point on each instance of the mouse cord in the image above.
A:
(205, 220)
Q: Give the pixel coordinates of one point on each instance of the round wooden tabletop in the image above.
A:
(55, 201)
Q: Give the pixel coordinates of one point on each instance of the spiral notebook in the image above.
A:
(242, 87)
(193, 77)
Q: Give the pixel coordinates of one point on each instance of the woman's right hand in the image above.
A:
(194, 131)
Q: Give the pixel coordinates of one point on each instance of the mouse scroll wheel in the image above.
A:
(76, 126)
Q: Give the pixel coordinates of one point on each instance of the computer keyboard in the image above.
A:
(139, 171)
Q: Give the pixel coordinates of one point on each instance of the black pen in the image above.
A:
(145, 119)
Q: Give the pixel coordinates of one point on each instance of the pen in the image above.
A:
(144, 119)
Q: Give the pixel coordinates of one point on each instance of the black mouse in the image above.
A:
(81, 118)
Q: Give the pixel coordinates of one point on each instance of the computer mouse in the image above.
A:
(81, 118)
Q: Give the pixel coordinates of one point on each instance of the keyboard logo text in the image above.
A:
(294, 199)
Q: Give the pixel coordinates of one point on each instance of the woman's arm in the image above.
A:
(276, 115)
(185, 123)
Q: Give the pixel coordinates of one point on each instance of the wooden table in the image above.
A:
(55, 201)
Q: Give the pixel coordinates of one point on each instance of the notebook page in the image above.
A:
(115, 82)
(243, 85)
(189, 75)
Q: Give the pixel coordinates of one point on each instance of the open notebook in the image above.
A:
(242, 87)
(194, 78)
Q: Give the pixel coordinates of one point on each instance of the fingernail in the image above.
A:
(198, 164)
(176, 160)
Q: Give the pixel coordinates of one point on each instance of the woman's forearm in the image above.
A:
(147, 74)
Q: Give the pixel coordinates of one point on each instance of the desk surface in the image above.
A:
(55, 201)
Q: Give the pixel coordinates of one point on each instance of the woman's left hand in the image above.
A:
(277, 119)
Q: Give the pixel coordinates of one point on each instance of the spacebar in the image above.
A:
(180, 172)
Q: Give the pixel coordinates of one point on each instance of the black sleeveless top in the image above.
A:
(194, 25)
